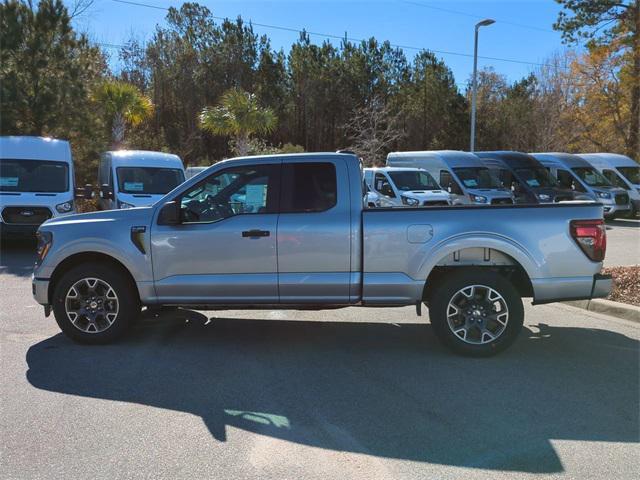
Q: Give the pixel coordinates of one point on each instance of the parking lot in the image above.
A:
(353, 393)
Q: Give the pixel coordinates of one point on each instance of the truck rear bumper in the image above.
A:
(571, 288)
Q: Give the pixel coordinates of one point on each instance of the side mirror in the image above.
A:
(85, 192)
(169, 214)
(105, 192)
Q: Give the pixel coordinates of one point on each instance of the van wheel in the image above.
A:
(476, 312)
(95, 304)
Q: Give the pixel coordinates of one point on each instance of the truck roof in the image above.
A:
(452, 158)
(35, 148)
(394, 169)
(567, 160)
(144, 158)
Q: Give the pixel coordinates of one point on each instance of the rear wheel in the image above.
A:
(95, 303)
(476, 312)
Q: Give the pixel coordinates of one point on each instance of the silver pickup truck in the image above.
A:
(291, 232)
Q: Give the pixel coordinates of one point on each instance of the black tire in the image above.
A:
(455, 282)
(127, 300)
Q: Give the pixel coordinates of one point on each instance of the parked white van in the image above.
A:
(36, 183)
(405, 187)
(137, 178)
(574, 172)
(193, 171)
(621, 171)
(462, 174)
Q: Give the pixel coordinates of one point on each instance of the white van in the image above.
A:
(36, 183)
(462, 174)
(574, 172)
(193, 171)
(137, 178)
(621, 171)
(405, 187)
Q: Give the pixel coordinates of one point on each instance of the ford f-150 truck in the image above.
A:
(291, 232)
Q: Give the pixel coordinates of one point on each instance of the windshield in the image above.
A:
(536, 177)
(477, 177)
(591, 177)
(148, 180)
(631, 173)
(33, 176)
(413, 180)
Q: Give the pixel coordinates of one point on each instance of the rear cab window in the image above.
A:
(308, 187)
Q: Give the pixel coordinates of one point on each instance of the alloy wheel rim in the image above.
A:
(477, 314)
(91, 305)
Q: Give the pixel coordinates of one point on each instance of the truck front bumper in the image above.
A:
(572, 288)
(40, 290)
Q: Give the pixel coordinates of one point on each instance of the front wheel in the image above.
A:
(476, 312)
(95, 303)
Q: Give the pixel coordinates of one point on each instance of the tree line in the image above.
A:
(207, 90)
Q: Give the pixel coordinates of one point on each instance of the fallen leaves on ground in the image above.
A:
(626, 284)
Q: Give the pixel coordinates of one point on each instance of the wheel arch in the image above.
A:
(76, 259)
(517, 268)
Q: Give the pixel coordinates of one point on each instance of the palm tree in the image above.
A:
(122, 104)
(238, 115)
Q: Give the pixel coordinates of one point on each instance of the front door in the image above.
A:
(224, 249)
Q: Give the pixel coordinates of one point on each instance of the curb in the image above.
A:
(608, 307)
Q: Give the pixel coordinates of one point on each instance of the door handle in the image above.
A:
(256, 233)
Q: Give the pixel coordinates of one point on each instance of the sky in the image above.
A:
(522, 33)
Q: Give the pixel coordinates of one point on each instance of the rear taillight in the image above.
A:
(591, 237)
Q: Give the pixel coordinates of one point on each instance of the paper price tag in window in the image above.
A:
(8, 181)
(256, 196)
(134, 186)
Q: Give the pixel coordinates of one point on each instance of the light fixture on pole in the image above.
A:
(474, 88)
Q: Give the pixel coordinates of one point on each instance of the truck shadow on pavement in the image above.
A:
(377, 389)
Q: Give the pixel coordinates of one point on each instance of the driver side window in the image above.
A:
(383, 186)
(235, 191)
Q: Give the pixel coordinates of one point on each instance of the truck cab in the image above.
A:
(575, 173)
(137, 178)
(462, 174)
(36, 183)
(527, 178)
(405, 187)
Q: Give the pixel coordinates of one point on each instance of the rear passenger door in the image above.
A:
(314, 232)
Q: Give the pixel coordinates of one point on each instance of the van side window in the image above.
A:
(447, 180)
(308, 187)
(231, 192)
(383, 186)
(568, 181)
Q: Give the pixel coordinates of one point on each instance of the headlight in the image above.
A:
(123, 205)
(412, 202)
(604, 194)
(44, 244)
(479, 198)
(544, 197)
(65, 207)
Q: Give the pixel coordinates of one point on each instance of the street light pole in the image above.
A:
(474, 88)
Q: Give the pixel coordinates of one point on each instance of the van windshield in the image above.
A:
(413, 180)
(631, 173)
(148, 180)
(536, 177)
(477, 177)
(591, 177)
(19, 175)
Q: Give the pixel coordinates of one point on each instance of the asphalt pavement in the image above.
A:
(355, 393)
(623, 242)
